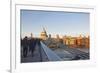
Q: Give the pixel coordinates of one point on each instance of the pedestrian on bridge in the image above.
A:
(25, 44)
(32, 44)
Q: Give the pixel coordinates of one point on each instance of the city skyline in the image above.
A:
(62, 23)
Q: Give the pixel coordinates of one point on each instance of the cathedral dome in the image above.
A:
(43, 34)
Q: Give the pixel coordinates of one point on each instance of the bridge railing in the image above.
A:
(52, 56)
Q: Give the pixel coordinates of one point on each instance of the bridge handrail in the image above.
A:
(50, 54)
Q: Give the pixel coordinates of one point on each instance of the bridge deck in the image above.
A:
(41, 54)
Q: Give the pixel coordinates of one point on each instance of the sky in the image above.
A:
(62, 23)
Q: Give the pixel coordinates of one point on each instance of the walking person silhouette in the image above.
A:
(25, 46)
(32, 44)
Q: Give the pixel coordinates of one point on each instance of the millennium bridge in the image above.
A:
(44, 54)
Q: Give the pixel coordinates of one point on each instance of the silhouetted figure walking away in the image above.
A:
(40, 52)
(38, 42)
(32, 44)
(25, 46)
